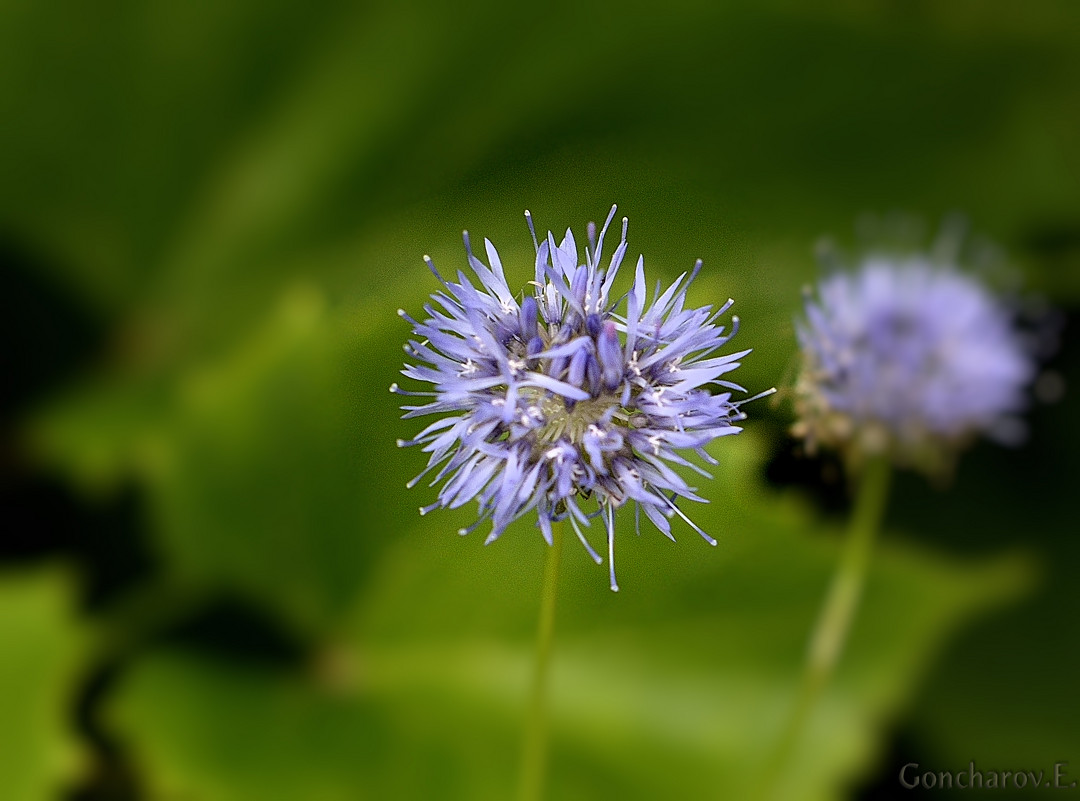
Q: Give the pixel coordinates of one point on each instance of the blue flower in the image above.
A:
(560, 405)
(909, 356)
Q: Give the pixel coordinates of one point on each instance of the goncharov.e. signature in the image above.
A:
(1056, 777)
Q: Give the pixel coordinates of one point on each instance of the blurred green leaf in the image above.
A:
(170, 158)
(1005, 693)
(266, 471)
(40, 649)
(676, 686)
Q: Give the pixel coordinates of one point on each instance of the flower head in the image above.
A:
(909, 356)
(558, 403)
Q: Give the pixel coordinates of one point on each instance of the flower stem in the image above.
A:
(534, 744)
(834, 620)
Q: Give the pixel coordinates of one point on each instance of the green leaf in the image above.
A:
(40, 647)
(266, 470)
(678, 685)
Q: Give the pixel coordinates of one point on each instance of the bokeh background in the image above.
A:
(213, 583)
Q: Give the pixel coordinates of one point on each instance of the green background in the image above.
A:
(213, 582)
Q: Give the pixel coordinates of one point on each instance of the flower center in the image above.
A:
(561, 421)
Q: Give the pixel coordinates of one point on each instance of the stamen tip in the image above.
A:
(393, 387)
(614, 587)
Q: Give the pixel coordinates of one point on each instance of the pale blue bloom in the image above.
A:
(912, 356)
(561, 403)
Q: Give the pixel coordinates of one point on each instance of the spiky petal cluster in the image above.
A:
(909, 356)
(560, 405)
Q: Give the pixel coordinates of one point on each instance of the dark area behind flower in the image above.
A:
(213, 583)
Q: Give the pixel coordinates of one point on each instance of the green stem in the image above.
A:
(834, 621)
(534, 745)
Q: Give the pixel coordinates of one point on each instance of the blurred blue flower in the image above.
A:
(558, 403)
(910, 356)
